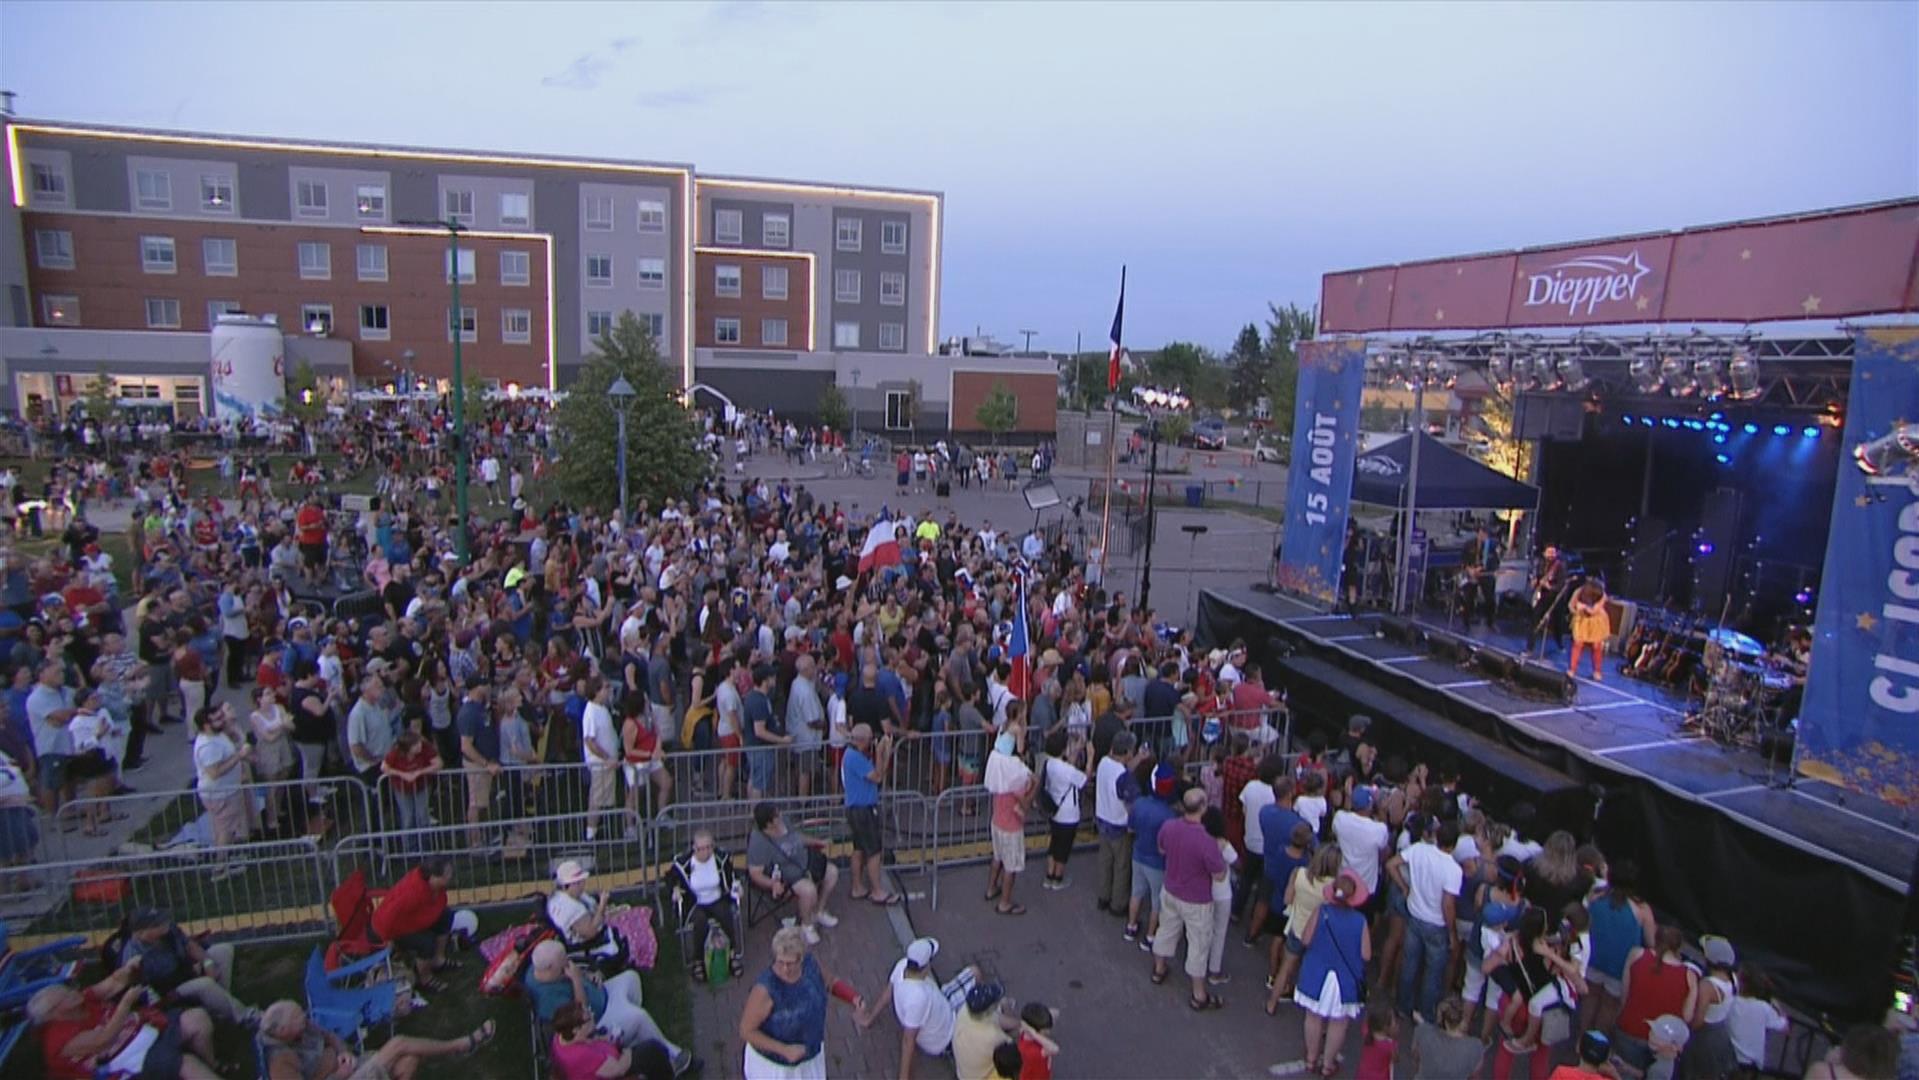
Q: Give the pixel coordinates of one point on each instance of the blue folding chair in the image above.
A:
(344, 1009)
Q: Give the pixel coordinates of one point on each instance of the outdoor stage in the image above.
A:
(1810, 880)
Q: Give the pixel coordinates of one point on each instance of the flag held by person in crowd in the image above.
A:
(882, 547)
(1018, 650)
(1119, 316)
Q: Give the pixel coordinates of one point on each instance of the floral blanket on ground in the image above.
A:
(634, 925)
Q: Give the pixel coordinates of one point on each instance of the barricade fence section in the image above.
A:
(278, 810)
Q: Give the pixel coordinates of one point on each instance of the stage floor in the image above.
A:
(1633, 727)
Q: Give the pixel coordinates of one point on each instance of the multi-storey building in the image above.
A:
(764, 291)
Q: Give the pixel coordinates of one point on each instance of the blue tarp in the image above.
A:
(1448, 479)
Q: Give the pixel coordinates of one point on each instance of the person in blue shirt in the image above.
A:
(1275, 863)
(862, 771)
(1150, 811)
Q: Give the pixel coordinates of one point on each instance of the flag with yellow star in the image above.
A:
(1320, 485)
(1859, 721)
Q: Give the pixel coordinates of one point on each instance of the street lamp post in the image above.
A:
(856, 406)
(1158, 404)
(621, 393)
(453, 229)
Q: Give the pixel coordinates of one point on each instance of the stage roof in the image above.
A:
(1828, 264)
(1448, 479)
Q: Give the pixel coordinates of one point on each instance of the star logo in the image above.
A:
(1862, 501)
(1360, 281)
(1439, 315)
(1810, 304)
(1641, 303)
(1745, 255)
(1866, 621)
(1459, 271)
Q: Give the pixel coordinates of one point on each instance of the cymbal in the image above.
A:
(1735, 642)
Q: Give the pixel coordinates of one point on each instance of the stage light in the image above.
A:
(1705, 547)
(1803, 596)
(1526, 372)
(1722, 459)
(1670, 422)
(1644, 371)
(1712, 381)
(1751, 429)
(1573, 374)
(1720, 439)
(1626, 420)
(1717, 416)
(1499, 369)
(1811, 432)
(1781, 429)
(1694, 425)
(1546, 373)
(1881, 455)
(1742, 376)
(1678, 376)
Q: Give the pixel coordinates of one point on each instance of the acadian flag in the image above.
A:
(1018, 649)
(1119, 316)
(882, 547)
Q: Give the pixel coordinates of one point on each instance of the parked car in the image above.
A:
(1264, 451)
(1207, 434)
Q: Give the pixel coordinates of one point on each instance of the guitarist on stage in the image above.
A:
(1481, 564)
(1548, 583)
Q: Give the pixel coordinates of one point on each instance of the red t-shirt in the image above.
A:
(269, 675)
(422, 756)
(1033, 1062)
(311, 523)
(55, 1035)
(648, 742)
(412, 905)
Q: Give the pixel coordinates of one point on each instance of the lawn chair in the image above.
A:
(353, 903)
(344, 1009)
(37, 965)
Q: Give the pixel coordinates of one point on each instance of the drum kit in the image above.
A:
(1744, 689)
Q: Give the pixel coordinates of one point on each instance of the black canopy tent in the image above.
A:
(1448, 479)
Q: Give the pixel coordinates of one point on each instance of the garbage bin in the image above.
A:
(1196, 496)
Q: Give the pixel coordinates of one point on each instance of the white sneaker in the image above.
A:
(826, 920)
(811, 935)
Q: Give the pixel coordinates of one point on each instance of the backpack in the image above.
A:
(1047, 801)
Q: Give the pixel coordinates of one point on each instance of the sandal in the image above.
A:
(1272, 1008)
(889, 900)
(481, 1036)
(737, 967)
(1159, 977)
(1016, 909)
(435, 985)
(697, 973)
(1200, 1004)
(991, 895)
(449, 964)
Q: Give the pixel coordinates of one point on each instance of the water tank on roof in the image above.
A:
(249, 368)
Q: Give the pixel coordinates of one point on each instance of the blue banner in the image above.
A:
(1319, 490)
(1859, 724)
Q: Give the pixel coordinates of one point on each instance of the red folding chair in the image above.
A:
(353, 903)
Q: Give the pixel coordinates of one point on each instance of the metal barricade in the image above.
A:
(259, 891)
(449, 796)
(329, 806)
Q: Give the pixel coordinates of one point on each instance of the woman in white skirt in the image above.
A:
(784, 1023)
(1332, 973)
(1215, 825)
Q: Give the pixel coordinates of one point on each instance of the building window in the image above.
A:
(893, 237)
(316, 318)
(59, 310)
(726, 281)
(516, 208)
(516, 326)
(772, 282)
(220, 256)
(53, 248)
(776, 230)
(898, 416)
(846, 335)
(153, 190)
(599, 212)
(369, 201)
(370, 260)
(773, 332)
(652, 273)
(726, 331)
(163, 314)
(469, 266)
(467, 321)
(459, 206)
(216, 194)
(516, 268)
(217, 308)
(893, 336)
(846, 286)
(316, 260)
(655, 324)
(156, 255)
(49, 184)
(375, 323)
(847, 234)
(309, 198)
(892, 288)
(652, 215)
(599, 271)
(598, 324)
(726, 226)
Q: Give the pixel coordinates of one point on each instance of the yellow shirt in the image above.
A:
(974, 1040)
(928, 530)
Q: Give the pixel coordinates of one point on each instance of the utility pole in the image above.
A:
(453, 229)
(1029, 340)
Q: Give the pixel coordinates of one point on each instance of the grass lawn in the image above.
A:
(268, 972)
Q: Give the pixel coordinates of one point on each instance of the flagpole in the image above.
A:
(1112, 443)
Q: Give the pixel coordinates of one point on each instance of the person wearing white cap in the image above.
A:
(928, 1012)
(582, 919)
(1711, 1049)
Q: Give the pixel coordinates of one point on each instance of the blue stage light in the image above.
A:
(1694, 425)
(1720, 439)
(1722, 459)
(1804, 596)
(1752, 429)
(1627, 420)
(1718, 416)
(1811, 432)
(1781, 429)
(1670, 422)
(1705, 547)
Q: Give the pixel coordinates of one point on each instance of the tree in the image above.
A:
(1175, 426)
(306, 403)
(473, 399)
(1250, 364)
(999, 411)
(834, 412)
(1286, 328)
(1086, 381)
(911, 407)
(1181, 365)
(662, 459)
(97, 397)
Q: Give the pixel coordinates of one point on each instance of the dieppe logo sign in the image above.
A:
(1588, 281)
(1379, 465)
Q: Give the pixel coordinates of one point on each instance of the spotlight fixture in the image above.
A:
(1751, 429)
(1499, 370)
(1742, 376)
(1526, 372)
(1712, 380)
(1678, 376)
(1645, 374)
(1573, 374)
(1546, 372)
(1882, 455)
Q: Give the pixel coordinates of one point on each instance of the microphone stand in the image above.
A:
(1539, 629)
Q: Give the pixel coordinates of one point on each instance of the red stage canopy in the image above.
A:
(1861, 261)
